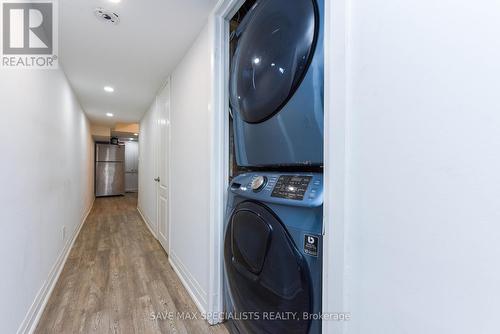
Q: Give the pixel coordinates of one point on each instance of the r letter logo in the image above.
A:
(29, 34)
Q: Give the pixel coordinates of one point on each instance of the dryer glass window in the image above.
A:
(274, 47)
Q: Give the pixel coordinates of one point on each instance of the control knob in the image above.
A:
(258, 183)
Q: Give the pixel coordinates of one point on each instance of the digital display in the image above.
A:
(291, 187)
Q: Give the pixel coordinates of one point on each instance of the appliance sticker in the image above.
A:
(311, 245)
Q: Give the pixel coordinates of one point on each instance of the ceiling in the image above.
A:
(134, 57)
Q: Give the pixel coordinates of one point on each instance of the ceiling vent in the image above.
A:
(107, 15)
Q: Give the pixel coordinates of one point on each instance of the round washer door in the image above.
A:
(265, 272)
(274, 47)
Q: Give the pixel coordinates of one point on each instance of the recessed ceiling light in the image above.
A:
(109, 114)
(136, 134)
(109, 89)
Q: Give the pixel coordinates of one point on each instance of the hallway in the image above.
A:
(116, 277)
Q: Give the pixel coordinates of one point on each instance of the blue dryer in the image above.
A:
(273, 253)
(276, 84)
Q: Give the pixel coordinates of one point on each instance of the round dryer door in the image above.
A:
(275, 43)
(265, 272)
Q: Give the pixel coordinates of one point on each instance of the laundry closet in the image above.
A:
(274, 218)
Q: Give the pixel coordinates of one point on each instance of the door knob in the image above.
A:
(157, 179)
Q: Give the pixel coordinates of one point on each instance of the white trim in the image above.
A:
(36, 310)
(337, 17)
(219, 140)
(192, 286)
(146, 221)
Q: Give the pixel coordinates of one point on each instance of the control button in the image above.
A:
(258, 183)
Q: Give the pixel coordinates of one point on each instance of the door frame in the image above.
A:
(337, 33)
(337, 23)
(218, 26)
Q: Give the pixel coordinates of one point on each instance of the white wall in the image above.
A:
(46, 173)
(423, 158)
(146, 202)
(190, 169)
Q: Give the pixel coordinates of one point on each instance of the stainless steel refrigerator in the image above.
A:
(109, 170)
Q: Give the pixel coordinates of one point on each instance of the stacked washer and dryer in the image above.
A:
(274, 219)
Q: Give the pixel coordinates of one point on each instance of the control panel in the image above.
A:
(301, 189)
(291, 187)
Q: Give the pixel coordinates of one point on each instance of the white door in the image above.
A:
(131, 166)
(163, 198)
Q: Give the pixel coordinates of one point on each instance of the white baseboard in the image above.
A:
(194, 289)
(31, 319)
(192, 286)
(147, 222)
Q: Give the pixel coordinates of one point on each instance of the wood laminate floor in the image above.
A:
(116, 278)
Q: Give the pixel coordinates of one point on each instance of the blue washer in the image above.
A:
(273, 253)
(276, 84)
